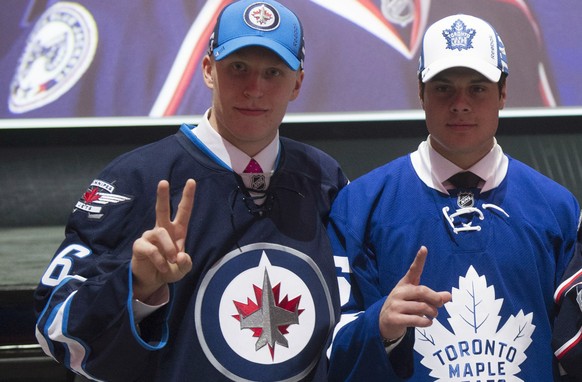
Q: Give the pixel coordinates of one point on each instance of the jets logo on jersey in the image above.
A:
(477, 349)
(98, 195)
(256, 314)
(58, 51)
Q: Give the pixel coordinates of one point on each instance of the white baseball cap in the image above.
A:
(462, 40)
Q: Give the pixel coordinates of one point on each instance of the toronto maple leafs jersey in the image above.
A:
(261, 298)
(501, 254)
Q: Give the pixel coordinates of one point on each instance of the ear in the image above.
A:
(207, 68)
(503, 96)
(421, 87)
(298, 82)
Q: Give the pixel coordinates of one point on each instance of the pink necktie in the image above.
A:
(253, 167)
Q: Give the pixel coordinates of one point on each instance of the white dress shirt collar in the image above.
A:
(434, 169)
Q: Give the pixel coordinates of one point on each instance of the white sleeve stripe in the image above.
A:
(567, 285)
(561, 352)
(344, 320)
(56, 332)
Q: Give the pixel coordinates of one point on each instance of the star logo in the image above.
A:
(270, 318)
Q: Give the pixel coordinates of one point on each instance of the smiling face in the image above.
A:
(251, 90)
(462, 114)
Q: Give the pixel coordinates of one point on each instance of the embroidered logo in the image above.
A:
(459, 36)
(465, 199)
(475, 350)
(269, 317)
(258, 182)
(256, 312)
(58, 51)
(97, 196)
(262, 16)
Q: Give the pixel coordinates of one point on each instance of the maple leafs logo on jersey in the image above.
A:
(98, 195)
(476, 351)
(269, 318)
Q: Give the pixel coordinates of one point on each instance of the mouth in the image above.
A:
(461, 125)
(252, 112)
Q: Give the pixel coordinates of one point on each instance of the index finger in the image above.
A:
(186, 203)
(416, 268)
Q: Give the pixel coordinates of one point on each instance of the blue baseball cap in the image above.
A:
(259, 23)
(466, 41)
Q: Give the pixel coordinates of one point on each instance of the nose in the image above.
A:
(460, 103)
(253, 86)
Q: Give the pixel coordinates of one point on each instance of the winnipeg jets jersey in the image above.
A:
(262, 296)
(501, 253)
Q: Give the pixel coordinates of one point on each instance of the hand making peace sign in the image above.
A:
(158, 255)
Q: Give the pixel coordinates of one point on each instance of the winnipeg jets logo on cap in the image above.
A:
(262, 16)
(459, 36)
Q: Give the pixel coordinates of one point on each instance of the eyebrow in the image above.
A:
(446, 79)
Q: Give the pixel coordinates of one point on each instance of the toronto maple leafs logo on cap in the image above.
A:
(459, 36)
(262, 16)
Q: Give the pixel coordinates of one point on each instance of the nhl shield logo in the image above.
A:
(256, 314)
(465, 199)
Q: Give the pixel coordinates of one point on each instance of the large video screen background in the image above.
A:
(141, 58)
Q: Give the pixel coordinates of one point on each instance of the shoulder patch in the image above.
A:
(58, 52)
(98, 195)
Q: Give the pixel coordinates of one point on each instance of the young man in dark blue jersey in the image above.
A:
(204, 256)
(450, 255)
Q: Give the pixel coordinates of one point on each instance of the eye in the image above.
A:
(238, 66)
(479, 89)
(273, 72)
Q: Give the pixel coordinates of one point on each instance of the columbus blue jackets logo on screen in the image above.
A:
(256, 313)
(58, 51)
(262, 16)
(97, 196)
(459, 36)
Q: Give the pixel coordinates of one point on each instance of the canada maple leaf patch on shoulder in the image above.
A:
(98, 195)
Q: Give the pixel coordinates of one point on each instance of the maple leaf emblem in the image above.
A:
(268, 318)
(476, 349)
(91, 195)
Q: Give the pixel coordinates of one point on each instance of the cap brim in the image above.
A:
(233, 45)
(492, 73)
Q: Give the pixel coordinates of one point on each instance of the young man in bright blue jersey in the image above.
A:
(445, 278)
